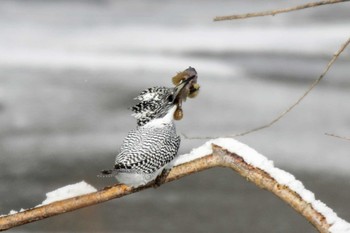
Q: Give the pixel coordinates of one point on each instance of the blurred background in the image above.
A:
(69, 70)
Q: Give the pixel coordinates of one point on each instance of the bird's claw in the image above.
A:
(161, 178)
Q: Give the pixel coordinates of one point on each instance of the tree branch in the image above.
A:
(218, 157)
(337, 136)
(278, 11)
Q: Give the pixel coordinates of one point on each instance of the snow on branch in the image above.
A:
(223, 152)
(68, 191)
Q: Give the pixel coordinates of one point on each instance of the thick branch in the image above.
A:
(278, 11)
(218, 158)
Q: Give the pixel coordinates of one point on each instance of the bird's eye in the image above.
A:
(171, 98)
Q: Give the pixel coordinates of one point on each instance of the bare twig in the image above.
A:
(337, 136)
(281, 115)
(278, 11)
(334, 58)
(219, 158)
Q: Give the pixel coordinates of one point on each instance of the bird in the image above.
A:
(147, 151)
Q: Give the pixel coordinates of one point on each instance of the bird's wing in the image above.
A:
(146, 149)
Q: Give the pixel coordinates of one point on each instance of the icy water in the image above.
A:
(69, 70)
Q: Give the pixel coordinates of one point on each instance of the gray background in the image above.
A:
(69, 70)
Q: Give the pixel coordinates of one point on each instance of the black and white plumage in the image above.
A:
(148, 150)
(143, 145)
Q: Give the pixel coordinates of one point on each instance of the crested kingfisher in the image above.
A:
(147, 151)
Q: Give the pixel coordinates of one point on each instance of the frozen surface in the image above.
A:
(68, 191)
(256, 159)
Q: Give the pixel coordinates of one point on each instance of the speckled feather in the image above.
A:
(153, 104)
(147, 149)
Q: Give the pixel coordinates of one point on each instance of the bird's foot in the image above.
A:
(161, 178)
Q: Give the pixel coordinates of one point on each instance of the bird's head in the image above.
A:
(160, 102)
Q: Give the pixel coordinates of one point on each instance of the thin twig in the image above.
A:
(220, 157)
(334, 58)
(278, 11)
(337, 136)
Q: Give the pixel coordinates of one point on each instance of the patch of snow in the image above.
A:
(68, 191)
(256, 159)
(340, 226)
(13, 212)
(196, 153)
(62, 193)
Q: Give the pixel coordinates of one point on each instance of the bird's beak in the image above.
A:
(182, 86)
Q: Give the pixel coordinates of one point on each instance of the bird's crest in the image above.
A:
(153, 104)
